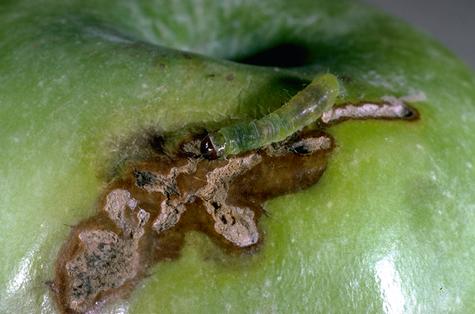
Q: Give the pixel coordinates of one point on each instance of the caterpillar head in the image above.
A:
(207, 148)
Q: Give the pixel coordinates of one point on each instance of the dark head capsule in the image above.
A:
(207, 148)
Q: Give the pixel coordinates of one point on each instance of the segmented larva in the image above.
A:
(301, 110)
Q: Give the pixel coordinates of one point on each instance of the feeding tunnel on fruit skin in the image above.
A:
(87, 85)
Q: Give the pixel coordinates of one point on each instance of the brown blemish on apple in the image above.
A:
(303, 146)
(145, 213)
(101, 261)
(118, 204)
(147, 209)
(105, 262)
(235, 223)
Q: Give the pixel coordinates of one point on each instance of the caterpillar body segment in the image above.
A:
(302, 109)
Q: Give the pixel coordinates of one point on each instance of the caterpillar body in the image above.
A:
(301, 110)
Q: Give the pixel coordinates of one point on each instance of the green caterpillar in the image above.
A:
(301, 110)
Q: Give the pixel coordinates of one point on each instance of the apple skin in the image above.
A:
(390, 226)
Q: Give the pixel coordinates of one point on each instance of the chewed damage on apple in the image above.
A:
(146, 210)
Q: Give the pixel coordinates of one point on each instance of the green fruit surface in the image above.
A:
(389, 228)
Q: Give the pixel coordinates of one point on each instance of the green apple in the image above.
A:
(389, 227)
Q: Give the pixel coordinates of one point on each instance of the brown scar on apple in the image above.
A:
(145, 212)
(303, 146)
(235, 223)
(102, 255)
(147, 209)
